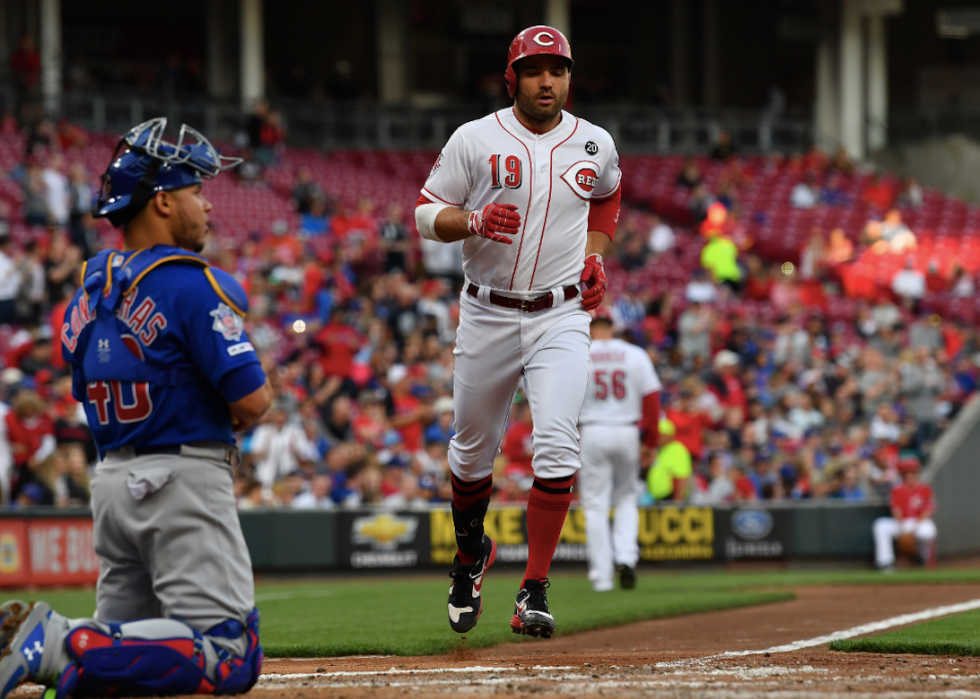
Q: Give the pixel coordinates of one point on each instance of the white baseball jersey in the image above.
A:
(620, 376)
(550, 177)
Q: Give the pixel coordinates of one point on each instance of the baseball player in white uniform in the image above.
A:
(534, 192)
(621, 402)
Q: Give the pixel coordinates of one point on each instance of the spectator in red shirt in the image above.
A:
(340, 342)
(371, 424)
(31, 436)
(689, 421)
(936, 281)
(725, 384)
(517, 446)
(758, 285)
(879, 193)
(744, 488)
(411, 415)
(913, 504)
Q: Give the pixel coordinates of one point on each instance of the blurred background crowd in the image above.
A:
(789, 372)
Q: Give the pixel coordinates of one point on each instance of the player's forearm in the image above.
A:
(246, 411)
(597, 244)
(680, 488)
(452, 224)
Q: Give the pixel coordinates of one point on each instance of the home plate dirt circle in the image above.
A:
(682, 657)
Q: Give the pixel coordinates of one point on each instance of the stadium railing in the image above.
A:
(364, 126)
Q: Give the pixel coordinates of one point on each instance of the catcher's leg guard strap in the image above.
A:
(237, 674)
(161, 657)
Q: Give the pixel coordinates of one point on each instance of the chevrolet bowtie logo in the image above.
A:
(384, 531)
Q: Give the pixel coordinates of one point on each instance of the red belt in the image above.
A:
(538, 303)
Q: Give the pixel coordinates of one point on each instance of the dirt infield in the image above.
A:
(666, 658)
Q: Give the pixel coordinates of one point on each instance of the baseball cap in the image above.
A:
(725, 358)
(12, 375)
(392, 438)
(33, 492)
(908, 464)
(396, 373)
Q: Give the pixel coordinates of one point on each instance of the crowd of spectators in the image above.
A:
(354, 319)
(791, 403)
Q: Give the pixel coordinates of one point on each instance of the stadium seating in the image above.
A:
(947, 229)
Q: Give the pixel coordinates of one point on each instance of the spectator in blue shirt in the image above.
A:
(850, 489)
(442, 429)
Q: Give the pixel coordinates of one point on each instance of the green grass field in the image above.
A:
(407, 616)
(953, 635)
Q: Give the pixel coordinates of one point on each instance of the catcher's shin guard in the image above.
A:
(163, 657)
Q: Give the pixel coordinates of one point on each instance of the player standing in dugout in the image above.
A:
(534, 192)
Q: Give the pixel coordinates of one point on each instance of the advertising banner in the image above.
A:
(383, 539)
(14, 556)
(754, 533)
(47, 551)
(508, 527)
(62, 552)
(677, 534)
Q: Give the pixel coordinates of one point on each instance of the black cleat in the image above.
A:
(531, 615)
(627, 576)
(465, 603)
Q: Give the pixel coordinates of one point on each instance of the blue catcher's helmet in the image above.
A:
(148, 165)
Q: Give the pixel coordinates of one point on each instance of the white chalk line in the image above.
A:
(427, 671)
(900, 620)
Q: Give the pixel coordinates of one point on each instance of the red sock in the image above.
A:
(546, 510)
(468, 497)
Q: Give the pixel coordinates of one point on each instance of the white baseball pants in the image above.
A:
(887, 529)
(610, 478)
(495, 349)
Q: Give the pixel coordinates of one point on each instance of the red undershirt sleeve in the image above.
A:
(651, 419)
(604, 213)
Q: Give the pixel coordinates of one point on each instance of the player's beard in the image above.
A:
(529, 106)
(192, 235)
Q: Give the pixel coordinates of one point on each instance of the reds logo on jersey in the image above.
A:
(582, 177)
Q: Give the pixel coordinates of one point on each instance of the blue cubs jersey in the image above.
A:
(157, 345)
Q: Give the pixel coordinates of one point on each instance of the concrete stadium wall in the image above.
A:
(948, 164)
(954, 473)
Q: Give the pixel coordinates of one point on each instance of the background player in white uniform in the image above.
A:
(622, 400)
(534, 192)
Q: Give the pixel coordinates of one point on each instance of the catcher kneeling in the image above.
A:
(910, 527)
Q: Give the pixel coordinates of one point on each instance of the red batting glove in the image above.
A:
(494, 220)
(594, 278)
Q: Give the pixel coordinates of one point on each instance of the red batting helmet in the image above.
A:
(535, 41)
